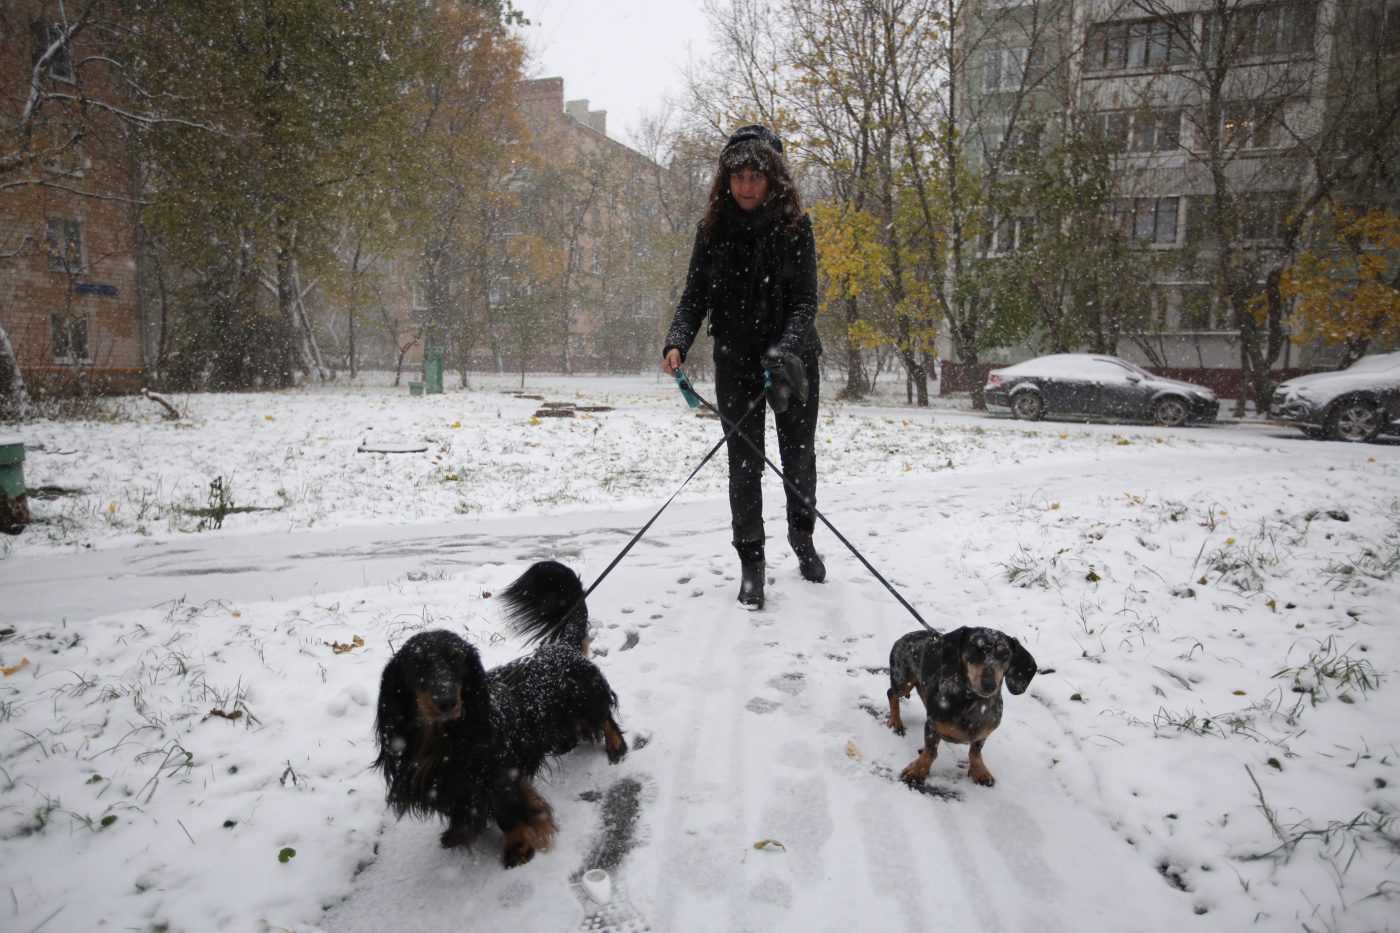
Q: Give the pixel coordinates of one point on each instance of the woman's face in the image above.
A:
(749, 187)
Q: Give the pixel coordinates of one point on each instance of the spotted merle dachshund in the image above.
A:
(959, 677)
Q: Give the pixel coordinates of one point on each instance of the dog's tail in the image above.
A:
(546, 605)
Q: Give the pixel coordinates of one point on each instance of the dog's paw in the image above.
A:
(455, 836)
(915, 772)
(896, 727)
(517, 854)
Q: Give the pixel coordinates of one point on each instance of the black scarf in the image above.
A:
(747, 284)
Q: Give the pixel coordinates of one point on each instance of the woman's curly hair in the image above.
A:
(783, 198)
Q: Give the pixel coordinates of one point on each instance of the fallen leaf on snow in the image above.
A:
(8, 671)
(769, 843)
(338, 648)
(852, 751)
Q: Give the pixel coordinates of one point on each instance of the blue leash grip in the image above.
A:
(683, 383)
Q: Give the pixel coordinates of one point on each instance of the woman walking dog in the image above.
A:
(754, 271)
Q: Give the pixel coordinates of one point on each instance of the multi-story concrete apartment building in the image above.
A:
(1213, 111)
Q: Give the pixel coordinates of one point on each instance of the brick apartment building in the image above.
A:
(69, 300)
(613, 312)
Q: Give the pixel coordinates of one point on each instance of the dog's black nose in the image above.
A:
(445, 701)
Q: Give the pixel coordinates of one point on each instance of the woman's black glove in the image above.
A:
(787, 377)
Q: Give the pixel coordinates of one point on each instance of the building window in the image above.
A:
(1010, 154)
(43, 36)
(1012, 69)
(1270, 30)
(1263, 215)
(65, 245)
(1007, 234)
(1138, 130)
(1148, 220)
(70, 337)
(1378, 28)
(1138, 45)
(1201, 310)
(1251, 124)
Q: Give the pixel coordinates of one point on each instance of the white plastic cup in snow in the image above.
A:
(597, 885)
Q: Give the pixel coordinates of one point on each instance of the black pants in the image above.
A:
(735, 388)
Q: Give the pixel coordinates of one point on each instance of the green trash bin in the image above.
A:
(14, 502)
(432, 370)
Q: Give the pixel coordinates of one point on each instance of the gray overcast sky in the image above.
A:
(624, 56)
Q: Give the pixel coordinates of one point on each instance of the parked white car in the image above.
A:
(1097, 385)
(1358, 403)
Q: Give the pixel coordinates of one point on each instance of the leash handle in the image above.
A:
(687, 390)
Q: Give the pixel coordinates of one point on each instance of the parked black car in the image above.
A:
(1358, 403)
(1100, 385)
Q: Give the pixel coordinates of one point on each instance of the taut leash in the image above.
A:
(689, 392)
(696, 400)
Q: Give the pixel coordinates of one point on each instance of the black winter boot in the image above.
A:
(809, 562)
(754, 569)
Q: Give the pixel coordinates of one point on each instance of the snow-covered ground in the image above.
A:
(1210, 744)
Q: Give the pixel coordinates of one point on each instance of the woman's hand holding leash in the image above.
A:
(786, 377)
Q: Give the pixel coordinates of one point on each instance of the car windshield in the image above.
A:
(1133, 368)
(1376, 362)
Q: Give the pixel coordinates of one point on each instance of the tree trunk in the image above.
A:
(14, 399)
(287, 328)
(857, 382)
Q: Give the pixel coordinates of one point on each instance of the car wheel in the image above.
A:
(1027, 406)
(1354, 420)
(1170, 411)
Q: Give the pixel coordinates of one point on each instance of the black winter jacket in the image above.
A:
(759, 286)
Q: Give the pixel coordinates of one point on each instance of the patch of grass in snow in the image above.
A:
(106, 410)
(1244, 565)
(1026, 570)
(1374, 563)
(1328, 668)
(1341, 841)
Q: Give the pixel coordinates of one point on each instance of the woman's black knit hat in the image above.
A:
(754, 131)
(753, 145)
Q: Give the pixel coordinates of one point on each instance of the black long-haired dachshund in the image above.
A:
(463, 742)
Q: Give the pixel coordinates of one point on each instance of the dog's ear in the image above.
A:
(394, 719)
(950, 652)
(1021, 669)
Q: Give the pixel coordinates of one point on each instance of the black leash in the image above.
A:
(694, 399)
(689, 391)
(713, 450)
